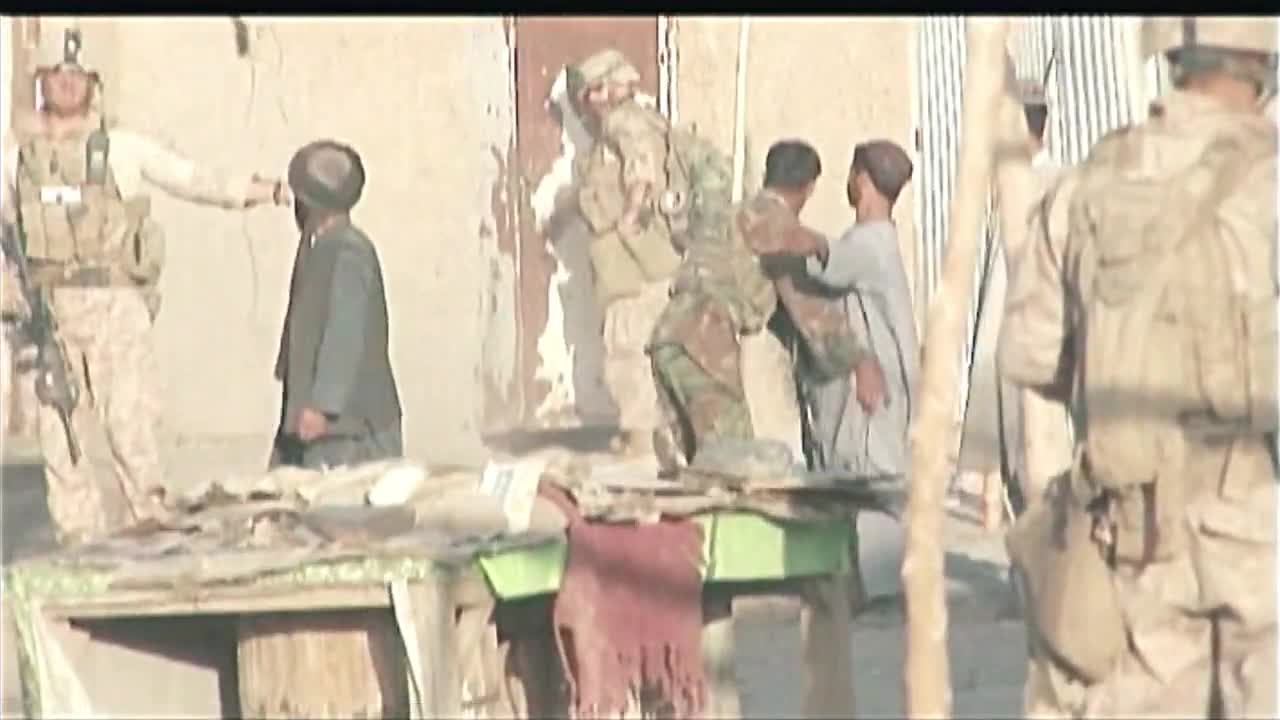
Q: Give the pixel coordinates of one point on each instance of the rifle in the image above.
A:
(55, 384)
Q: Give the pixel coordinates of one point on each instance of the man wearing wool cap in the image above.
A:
(340, 404)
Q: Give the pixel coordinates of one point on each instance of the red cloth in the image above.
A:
(629, 613)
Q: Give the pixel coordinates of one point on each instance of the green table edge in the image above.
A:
(736, 547)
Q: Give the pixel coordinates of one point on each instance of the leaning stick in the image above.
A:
(927, 685)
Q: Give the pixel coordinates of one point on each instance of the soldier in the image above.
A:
(74, 187)
(997, 443)
(340, 404)
(1151, 301)
(726, 291)
(622, 178)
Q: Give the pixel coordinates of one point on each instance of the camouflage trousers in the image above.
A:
(1201, 626)
(695, 406)
(628, 323)
(107, 334)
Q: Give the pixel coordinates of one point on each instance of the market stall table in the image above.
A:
(380, 618)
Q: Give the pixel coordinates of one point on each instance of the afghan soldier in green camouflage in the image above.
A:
(725, 289)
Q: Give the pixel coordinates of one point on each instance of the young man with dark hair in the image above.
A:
(726, 290)
(864, 266)
(827, 348)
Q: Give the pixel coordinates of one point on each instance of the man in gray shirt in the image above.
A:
(340, 404)
(854, 430)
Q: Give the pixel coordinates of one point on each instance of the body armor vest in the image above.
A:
(78, 229)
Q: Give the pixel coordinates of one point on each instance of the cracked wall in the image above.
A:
(428, 104)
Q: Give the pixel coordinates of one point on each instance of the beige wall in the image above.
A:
(830, 81)
(426, 101)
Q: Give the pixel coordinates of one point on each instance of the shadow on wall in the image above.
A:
(574, 322)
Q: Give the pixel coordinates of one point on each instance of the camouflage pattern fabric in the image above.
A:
(829, 349)
(107, 336)
(1146, 224)
(697, 407)
(631, 149)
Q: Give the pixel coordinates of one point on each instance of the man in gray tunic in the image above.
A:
(340, 404)
(856, 429)
(852, 430)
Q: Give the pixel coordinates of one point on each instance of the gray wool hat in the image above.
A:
(327, 174)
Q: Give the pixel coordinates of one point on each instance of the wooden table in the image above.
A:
(476, 635)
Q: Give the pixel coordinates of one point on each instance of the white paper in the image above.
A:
(516, 484)
(60, 195)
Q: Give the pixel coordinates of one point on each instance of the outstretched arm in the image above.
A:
(851, 263)
(182, 178)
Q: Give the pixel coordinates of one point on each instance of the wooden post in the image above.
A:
(927, 685)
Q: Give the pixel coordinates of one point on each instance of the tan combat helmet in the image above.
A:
(61, 44)
(606, 65)
(1242, 46)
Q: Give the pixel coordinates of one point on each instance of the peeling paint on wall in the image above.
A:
(555, 355)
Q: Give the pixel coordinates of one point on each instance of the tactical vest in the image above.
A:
(1173, 344)
(77, 228)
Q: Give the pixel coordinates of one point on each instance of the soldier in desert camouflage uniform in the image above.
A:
(94, 253)
(1150, 300)
(621, 180)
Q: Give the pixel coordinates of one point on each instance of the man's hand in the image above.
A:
(264, 190)
(869, 386)
(312, 424)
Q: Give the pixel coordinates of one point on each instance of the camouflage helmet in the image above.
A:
(1194, 44)
(327, 174)
(1240, 34)
(606, 65)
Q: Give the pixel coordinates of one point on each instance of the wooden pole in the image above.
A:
(927, 686)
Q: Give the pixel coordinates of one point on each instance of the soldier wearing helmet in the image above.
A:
(621, 180)
(1148, 298)
(73, 187)
(340, 403)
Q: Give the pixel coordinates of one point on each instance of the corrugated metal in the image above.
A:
(1098, 82)
(940, 49)
(1090, 89)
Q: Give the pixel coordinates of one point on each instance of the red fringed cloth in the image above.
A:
(628, 616)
